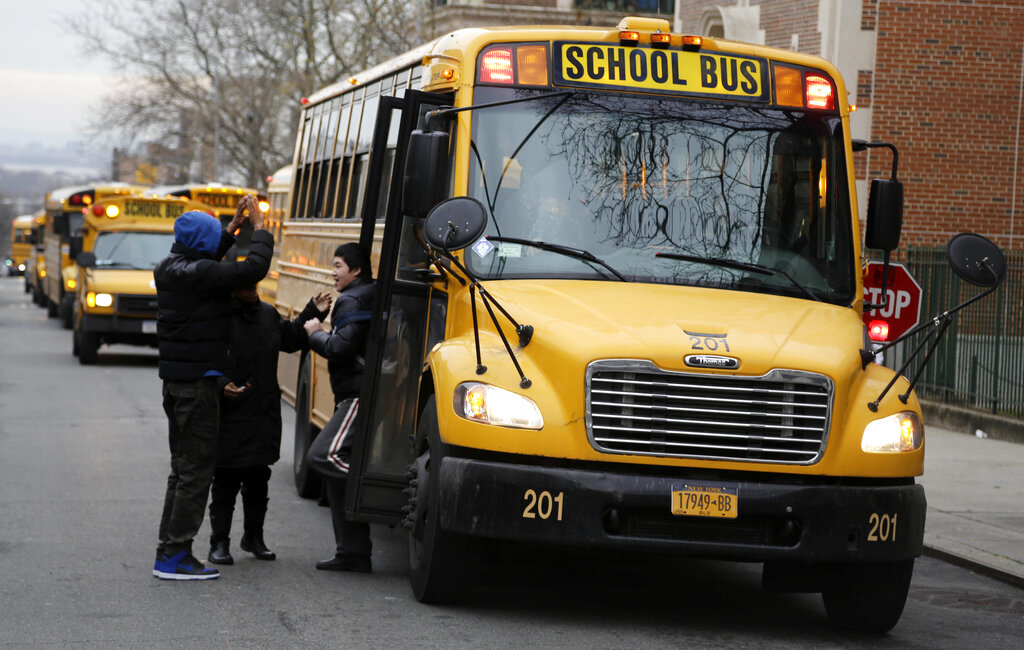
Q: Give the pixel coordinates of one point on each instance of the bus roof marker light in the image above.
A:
(661, 39)
(819, 91)
(629, 37)
(496, 66)
(692, 43)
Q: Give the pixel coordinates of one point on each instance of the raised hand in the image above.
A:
(322, 300)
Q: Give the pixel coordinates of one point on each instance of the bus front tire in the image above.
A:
(307, 483)
(440, 562)
(65, 311)
(88, 348)
(868, 596)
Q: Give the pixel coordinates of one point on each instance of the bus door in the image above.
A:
(404, 312)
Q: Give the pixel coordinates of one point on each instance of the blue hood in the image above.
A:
(199, 231)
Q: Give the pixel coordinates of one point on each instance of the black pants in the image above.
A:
(227, 481)
(193, 418)
(350, 537)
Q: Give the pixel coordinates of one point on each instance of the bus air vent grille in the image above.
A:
(142, 306)
(634, 407)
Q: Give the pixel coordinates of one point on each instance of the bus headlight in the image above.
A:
(93, 299)
(894, 434)
(492, 405)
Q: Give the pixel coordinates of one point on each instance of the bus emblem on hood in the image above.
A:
(711, 361)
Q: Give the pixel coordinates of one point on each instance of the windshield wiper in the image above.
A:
(115, 263)
(568, 251)
(741, 266)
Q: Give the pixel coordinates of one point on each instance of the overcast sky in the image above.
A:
(47, 85)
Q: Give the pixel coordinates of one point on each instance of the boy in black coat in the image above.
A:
(193, 284)
(344, 347)
(250, 417)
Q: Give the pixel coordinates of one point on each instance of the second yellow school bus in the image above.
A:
(64, 208)
(619, 306)
(120, 242)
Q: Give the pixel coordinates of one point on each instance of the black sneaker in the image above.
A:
(342, 562)
(182, 566)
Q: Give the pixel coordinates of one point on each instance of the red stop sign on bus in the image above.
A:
(902, 310)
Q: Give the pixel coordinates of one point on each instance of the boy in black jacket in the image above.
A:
(344, 348)
(250, 417)
(194, 309)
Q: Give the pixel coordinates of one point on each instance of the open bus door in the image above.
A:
(408, 319)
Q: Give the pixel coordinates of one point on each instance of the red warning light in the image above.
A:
(878, 330)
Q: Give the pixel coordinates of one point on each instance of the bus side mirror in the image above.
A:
(74, 246)
(426, 164)
(60, 224)
(454, 224)
(86, 259)
(885, 214)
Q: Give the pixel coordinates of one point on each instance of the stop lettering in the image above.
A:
(902, 310)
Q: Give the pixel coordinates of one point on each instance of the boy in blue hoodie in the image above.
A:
(193, 286)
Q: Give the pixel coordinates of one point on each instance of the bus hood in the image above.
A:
(137, 282)
(681, 328)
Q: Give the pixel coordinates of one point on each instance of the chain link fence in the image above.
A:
(980, 361)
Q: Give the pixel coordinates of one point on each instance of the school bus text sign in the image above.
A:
(614, 67)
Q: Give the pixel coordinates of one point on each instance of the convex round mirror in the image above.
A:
(455, 223)
(976, 259)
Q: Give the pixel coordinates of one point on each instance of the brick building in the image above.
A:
(940, 79)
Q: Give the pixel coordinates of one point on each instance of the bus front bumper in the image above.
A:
(137, 331)
(777, 520)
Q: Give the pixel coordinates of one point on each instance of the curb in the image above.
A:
(964, 420)
(1002, 575)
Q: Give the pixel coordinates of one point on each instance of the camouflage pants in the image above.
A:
(193, 417)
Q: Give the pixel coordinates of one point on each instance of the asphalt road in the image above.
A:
(83, 464)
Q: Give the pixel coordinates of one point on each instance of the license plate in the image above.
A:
(706, 501)
(149, 327)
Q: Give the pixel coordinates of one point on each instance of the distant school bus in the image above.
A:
(120, 242)
(21, 243)
(35, 263)
(619, 306)
(222, 199)
(63, 219)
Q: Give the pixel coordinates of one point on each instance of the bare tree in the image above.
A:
(220, 80)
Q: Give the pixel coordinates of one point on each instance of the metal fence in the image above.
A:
(980, 361)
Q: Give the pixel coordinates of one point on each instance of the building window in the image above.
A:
(662, 7)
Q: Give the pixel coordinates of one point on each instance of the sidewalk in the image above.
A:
(975, 492)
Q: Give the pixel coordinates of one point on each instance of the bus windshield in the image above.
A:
(132, 250)
(662, 190)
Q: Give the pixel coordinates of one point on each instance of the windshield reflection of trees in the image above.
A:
(628, 177)
(137, 250)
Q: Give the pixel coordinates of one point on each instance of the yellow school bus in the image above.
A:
(222, 199)
(64, 208)
(279, 186)
(121, 241)
(21, 244)
(619, 306)
(35, 263)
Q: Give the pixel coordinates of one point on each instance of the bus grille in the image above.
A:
(141, 306)
(634, 407)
